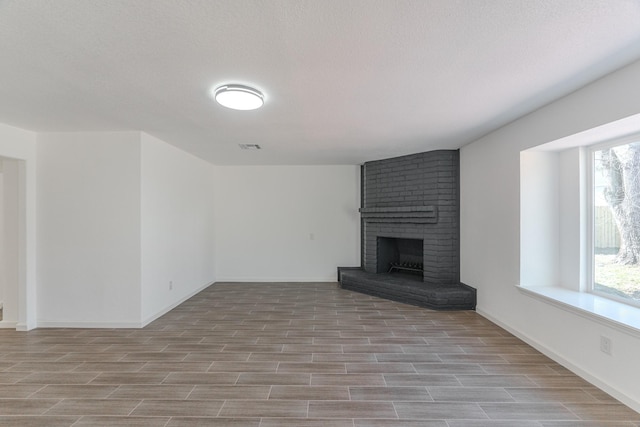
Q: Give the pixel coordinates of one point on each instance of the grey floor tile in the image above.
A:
(408, 358)
(129, 378)
(26, 407)
(281, 357)
(470, 394)
(305, 422)
(348, 379)
(226, 366)
(492, 423)
(274, 379)
(439, 410)
(589, 424)
(168, 367)
(201, 378)
(495, 381)
(264, 408)
(557, 395)
(61, 391)
(603, 412)
(213, 422)
(351, 410)
(309, 393)
(313, 367)
(390, 394)
(290, 354)
(426, 380)
(123, 421)
(178, 408)
(344, 358)
(37, 421)
(527, 411)
(93, 407)
(230, 392)
(151, 391)
(399, 423)
(381, 367)
(449, 368)
(18, 391)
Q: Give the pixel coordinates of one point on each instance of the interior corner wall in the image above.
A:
(177, 201)
(19, 145)
(490, 234)
(88, 221)
(10, 241)
(286, 223)
(2, 237)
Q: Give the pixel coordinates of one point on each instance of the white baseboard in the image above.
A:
(167, 309)
(23, 327)
(5, 324)
(88, 325)
(564, 362)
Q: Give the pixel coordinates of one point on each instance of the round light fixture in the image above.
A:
(239, 97)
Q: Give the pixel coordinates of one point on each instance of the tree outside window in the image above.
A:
(616, 222)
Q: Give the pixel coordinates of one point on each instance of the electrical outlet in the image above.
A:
(605, 345)
(171, 285)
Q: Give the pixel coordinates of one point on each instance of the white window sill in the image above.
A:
(608, 312)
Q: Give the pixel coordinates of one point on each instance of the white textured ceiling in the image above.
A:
(346, 81)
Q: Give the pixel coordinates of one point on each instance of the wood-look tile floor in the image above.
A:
(277, 354)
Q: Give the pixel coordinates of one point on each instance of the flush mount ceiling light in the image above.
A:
(239, 97)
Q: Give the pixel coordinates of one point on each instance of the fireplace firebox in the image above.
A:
(399, 255)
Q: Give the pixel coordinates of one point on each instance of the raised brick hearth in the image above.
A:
(410, 218)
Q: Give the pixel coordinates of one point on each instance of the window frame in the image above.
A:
(591, 209)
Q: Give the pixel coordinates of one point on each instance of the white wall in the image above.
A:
(286, 223)
(177, 226)
(572, 219)
(20, 146)
(2, 238)
(11, 253)
(539, 218)
(490, 235)
(89, 229)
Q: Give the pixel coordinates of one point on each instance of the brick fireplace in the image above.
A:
(410, 220)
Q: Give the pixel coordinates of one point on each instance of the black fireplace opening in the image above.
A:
(400, 256)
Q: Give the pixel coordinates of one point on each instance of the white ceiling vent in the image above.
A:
(249, 146)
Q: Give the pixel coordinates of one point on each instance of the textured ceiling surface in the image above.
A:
(345, 81)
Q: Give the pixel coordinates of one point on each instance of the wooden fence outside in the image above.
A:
(607, 237)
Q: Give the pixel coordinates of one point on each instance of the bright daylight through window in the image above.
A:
(616, 222)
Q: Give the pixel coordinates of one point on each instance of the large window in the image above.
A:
(580, 223)
(615, 221)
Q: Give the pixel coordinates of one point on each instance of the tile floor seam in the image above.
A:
(77, 421)
(190, 392)
(53, 406)
(579, 418)
(483, 411)
(135, 407)
(113, 391)
(210, 365)
(121, 358)
(220, 410)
